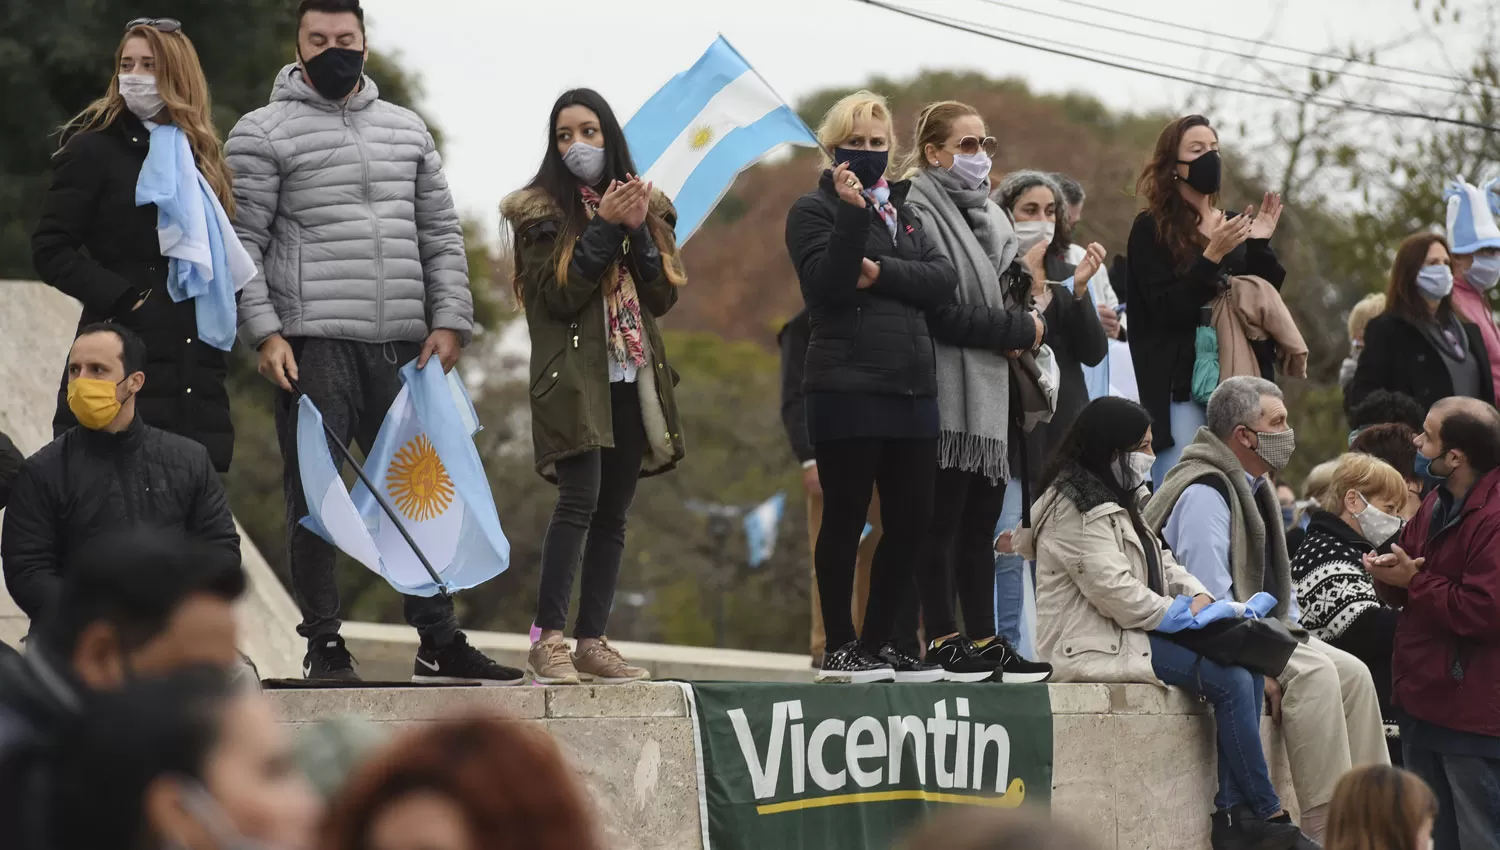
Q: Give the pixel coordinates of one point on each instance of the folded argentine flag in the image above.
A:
(1180, 616)
(427, 469)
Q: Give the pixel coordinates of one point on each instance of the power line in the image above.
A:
(1180, 43)
(969, 27)
(1262, 43)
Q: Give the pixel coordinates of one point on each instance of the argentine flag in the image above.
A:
(427, 468)
(705, 126)
(762, 523)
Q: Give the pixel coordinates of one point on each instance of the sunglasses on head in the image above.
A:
(971, 144)
(158, 24)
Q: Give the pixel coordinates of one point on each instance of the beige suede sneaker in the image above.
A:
(549, 663)
(602, 664)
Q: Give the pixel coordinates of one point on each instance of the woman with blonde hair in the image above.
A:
(94, 243)
(1382, 808)
(870, 277)
(1359, 511)
(1368, 308)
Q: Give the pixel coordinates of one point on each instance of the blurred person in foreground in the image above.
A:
(468, 784)
(1359, 513)
(1359, 318)
(134, 604)
(182, 762)
(1421, 346)
(1381, 808)
(1105, 584)
(112, 471)
(1217, 512)
(1394, 443)
(994, 829)
(1444, 575)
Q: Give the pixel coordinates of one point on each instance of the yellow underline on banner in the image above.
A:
(1012, 798)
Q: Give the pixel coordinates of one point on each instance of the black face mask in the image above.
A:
(1205, 172)
(335, 72)
(866, 166)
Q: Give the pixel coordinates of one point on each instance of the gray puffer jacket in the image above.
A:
(346, 211)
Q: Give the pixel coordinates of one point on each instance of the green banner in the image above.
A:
(829, 767)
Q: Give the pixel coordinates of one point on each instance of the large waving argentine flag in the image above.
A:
(705, 126)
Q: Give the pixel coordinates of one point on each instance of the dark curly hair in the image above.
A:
(1392, 443)
(1382, 407)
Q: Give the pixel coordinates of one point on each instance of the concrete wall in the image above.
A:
(1133, 765)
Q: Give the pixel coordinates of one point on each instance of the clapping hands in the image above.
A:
(626, 203)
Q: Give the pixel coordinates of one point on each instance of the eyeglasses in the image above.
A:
(158, 24)
(971, 144)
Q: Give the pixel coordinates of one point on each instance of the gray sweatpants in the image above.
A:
(353, 385)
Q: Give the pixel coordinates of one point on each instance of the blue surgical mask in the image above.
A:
(1485, 272)
(1435, 282)
(1423, 468)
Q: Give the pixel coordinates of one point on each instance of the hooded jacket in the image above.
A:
(346, 211)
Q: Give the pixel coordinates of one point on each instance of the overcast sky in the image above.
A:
(492, 68)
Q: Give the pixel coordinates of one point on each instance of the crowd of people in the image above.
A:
(983, 505)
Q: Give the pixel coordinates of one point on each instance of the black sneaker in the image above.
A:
(909, 668)
(459, 663)
(328, 660)
(961, 662)
(1303, 841)
(852, 663)
(1014, 668)
(1238, 829)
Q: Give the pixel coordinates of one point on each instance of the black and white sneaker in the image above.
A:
(853, 664)
(961, 662)
(909, 668)
(458, 663)
(1014, 668)
(328, 660)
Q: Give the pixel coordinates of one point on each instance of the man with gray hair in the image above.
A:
(1217, 511)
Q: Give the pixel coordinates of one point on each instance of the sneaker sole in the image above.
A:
(976, 676)
(551, 680)
(1024, 678)
(590, 679)
(860, 677)
(460, 680)
(921, 676)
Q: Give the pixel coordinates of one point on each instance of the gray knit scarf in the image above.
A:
(973, 384)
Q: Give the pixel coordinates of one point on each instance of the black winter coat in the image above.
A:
(1077, 340)
(1165, 299)
(85, 483)
(793, 340)
(1398, 357)
(95, 244)
(11, 461)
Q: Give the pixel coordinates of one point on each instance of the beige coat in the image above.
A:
(1093, 605)
(1252, 310)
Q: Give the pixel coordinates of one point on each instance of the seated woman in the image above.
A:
(1394, 443)
(1104, 583)
(1360, 511)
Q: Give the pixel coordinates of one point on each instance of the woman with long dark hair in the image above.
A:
(596, 266)
(94, 243)
(1420, 346)
(1183, 249)
(1105, 584)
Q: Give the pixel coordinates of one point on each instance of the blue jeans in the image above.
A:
(1186, 418)
(1468, 793)
(1009, 582)
(1236, 695)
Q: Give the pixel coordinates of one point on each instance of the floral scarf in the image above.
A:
(880, 196)
(626, 338)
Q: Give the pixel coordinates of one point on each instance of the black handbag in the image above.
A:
(1262, 646)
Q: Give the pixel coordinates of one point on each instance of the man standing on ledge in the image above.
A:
(344, 207)
(1445, 575)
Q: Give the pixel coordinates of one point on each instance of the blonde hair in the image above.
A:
(1317, 481)
(1368, 308)
(934, 126)
(180, 81)
(1366, 475)
(838, 122)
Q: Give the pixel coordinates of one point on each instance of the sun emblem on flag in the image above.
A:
(701, 137)
(418, 482)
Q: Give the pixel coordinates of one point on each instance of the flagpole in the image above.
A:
(756, 71)
(379, 497)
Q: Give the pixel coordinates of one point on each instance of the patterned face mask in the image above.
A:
(1275, 448)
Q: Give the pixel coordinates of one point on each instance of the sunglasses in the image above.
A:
(971, 144)
(158, 24)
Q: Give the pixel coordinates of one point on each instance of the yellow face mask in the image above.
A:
(93, 401)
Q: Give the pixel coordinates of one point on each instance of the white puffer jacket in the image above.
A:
(346, 211)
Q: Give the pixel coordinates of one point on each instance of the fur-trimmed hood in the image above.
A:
(526, 208)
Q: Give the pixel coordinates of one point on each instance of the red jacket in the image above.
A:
(1446, 667)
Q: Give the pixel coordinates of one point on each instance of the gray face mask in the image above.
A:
(204, 809)
(586, 162)
(1275, 448)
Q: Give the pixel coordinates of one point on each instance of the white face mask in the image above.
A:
(1032, 232)
(1134, 469)
(1376, 525)
(971, 169)
(586, 162)
(140, 95)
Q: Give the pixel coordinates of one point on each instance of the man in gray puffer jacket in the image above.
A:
(343, 205)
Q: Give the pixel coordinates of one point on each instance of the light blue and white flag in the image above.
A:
(705, 126)
(762, 523)
(427, 468)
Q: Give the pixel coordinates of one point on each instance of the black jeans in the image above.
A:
(594, 492)
(849, 471)
(961, 551)
(353, 385)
